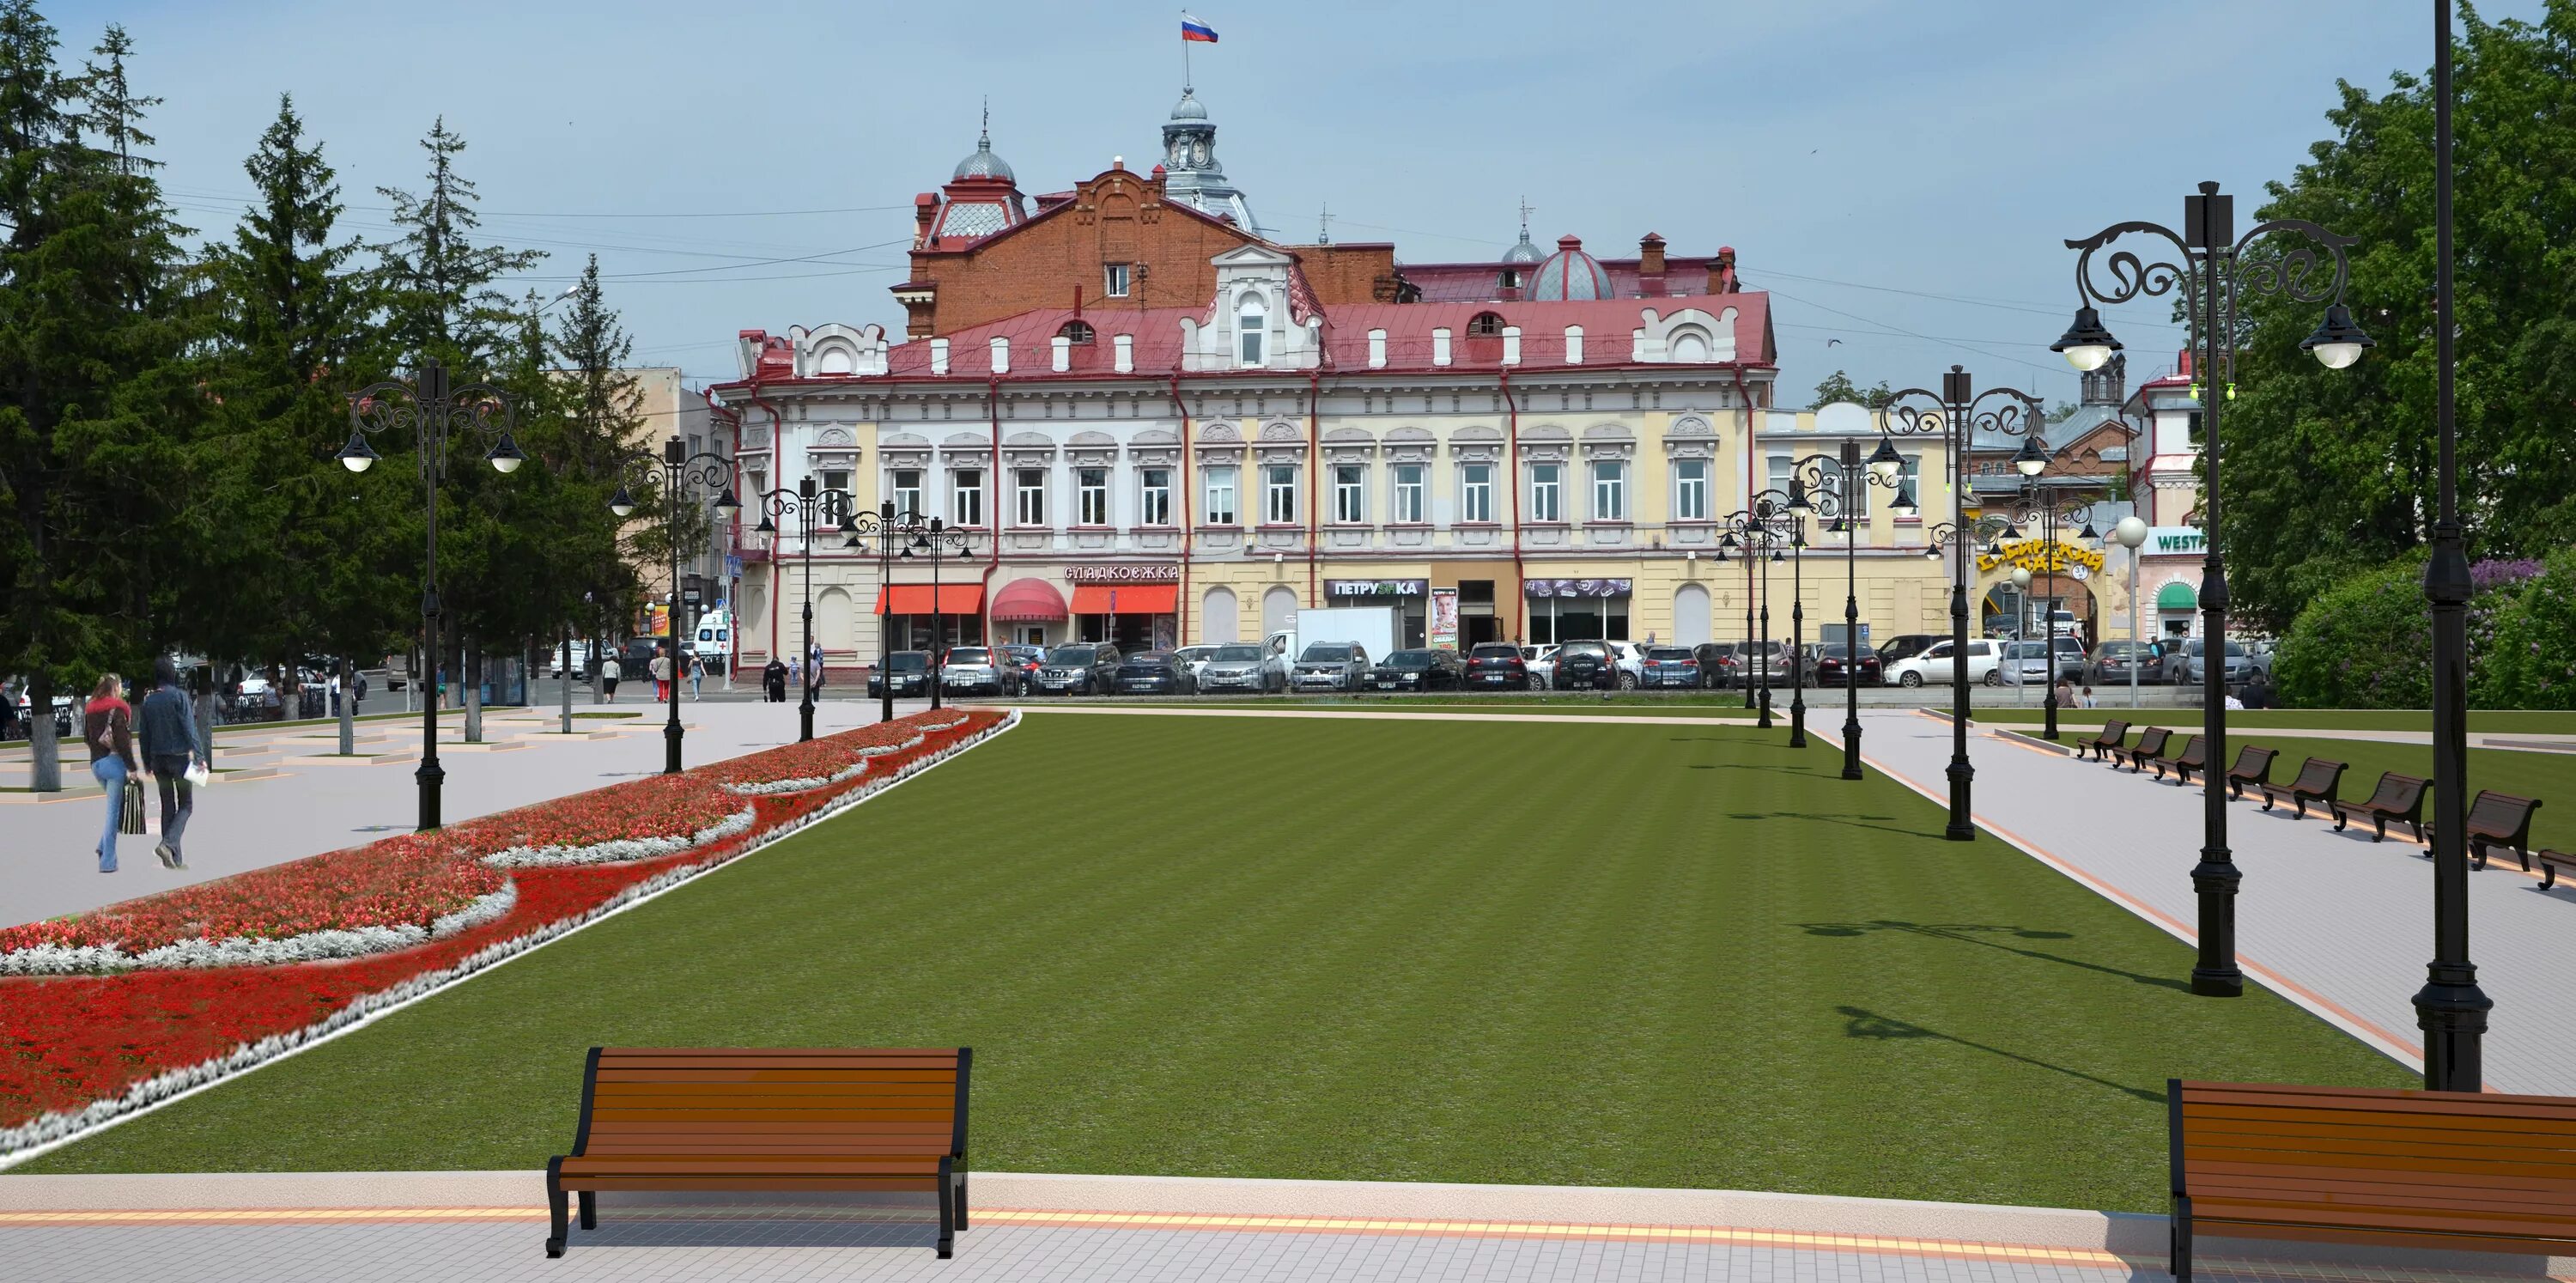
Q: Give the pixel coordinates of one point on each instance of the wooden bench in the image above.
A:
(2101, 746)
(2550, 863)
(2501, 819)
(791, 1119)
(2253, 766)
(2151, 742)
(2319, 780)
(2416, 1169)
(2194, 756)
(2398, 797)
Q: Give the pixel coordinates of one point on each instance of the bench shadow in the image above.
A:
(1979, 934)
(1862, 1023)
(703, 1226)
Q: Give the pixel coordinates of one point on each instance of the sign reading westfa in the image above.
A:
(2175, 539)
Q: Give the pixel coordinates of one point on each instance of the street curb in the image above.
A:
(2032, 741)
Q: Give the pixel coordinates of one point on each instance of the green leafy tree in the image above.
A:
(1838, 386)
(2332, 472)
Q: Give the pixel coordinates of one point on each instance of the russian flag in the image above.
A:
(1193, 29)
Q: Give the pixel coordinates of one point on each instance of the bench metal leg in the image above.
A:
(2302, 804)
(2378, 828)
(947, 1211)
(589, 1210)
(2181, 1240)
(2548, 875)
(2478, 854)
(961, 1200)
(555, 1208)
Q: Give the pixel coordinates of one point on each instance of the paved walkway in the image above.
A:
(288, 794)
(428, 1227)
(2336, 922)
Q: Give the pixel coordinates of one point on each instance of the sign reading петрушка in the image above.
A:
(1376, 587)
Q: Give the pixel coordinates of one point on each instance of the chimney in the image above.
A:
(925, 211)
(1721, 272)
(1650, 266)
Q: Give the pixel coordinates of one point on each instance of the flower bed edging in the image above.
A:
(621, 850)
(51, 1131)
(254, 951)
(794, 786)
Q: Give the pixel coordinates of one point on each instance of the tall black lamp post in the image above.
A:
(935, 537)
(683, 474)
(892, 533)
(1756, 530)
(808, 505)
(1957, 413)
(432, 412)
(1839, 502)
(2033, 507)
(2214, 275)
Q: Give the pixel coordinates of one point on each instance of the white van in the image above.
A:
(714, 642)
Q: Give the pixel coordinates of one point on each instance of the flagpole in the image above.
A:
(1185, 54)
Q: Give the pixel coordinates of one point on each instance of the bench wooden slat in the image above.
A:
(722, 1118)
(2318, 781)
(2151, 741)
(2399, 1100)
(2253, 766)
(2501, 819)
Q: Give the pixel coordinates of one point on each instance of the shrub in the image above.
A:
(2366, 643)
(2529, 659)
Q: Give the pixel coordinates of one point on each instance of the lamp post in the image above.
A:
(1956, 413)
(2035, 508)
(936, 536)
(807, 504)
(2214, 276)
(681, 473)
(433, 412)
(893, 533)
(1840, 502)
(2451, 1009)
(2131, 532)
(1755, 530)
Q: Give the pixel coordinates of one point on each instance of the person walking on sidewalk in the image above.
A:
(608, 675)
(660, 667)
(169, 749)
(814, 669)
(107, 723)
(773, 680)
(697, 676)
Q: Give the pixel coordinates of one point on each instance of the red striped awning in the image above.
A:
(1126, 599)
(1028, 601)
(915, 599)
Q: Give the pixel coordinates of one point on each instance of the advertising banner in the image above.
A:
(1576, 587)
(1444, 618)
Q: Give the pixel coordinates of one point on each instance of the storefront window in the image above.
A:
(1155, 495)
(1091, 487)
(1032, 497)
(1690, 490)
(1220, 496)
(1350, 499)
(1279, 494)
(1476, 492)
(1546, 486)
(1408, 493)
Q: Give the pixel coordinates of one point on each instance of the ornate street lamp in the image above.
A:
(2214, 276)
(934, 537)
(432, 412)
(682, 474)
(2033, 507)
(1809, 491)
(1957, 413)
(808, 505)
(1761, 528)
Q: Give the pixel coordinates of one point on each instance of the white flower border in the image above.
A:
(51, 1131)
(255, 951)
(620, 850)
(769, 787)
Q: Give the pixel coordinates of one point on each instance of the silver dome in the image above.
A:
(1570, 274)
(984, 164)
(1189, 107)
(1524, 252)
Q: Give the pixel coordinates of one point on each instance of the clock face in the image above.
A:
(2080, 574)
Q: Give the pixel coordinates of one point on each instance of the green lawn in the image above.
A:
(2115, 703)
(1438, 951)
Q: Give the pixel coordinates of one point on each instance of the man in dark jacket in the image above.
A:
(169, 735)
(773, 680)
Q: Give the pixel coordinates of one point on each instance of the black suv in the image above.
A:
(1494, 665)
(1585, 664)
(1089, 668)
(1419, 670)
(910, 670)
(1153, 672)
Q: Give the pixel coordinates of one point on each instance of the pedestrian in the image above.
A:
(773, 680)
(358, 697)
(170, 747)
(697, 676)
(814, 668)
(335, 702)
(608, 678)
(796, 670)
(2066, 694)
(108, 724)
(660, 667)
(2086, 700)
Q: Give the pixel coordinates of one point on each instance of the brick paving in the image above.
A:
(2332, 920)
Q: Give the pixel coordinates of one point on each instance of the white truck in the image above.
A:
(714, 642)
(1375, 629)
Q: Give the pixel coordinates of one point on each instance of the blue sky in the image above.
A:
(1901, 175)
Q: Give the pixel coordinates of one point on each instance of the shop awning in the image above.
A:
(1126, 599)
(915, 599)
(1028, 601)
(2177, 597)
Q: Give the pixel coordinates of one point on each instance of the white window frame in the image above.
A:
(1350, 494)
(966, 497)
(1091, 496)
(1912, 475)
(1115, 279)
(1547, 492)
(1279, 494)
(1476, 492)
(1411, 479)
(1029, 489)
(1252, 325)
(1221, 495)
(907, 498)
(1154, 496)
(1690, 493)
(1609, 490)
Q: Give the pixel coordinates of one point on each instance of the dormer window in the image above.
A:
(1486, 325)
(1076, 332)
(1251, 319)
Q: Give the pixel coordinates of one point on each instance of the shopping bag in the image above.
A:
(197, 775)
(132, 821)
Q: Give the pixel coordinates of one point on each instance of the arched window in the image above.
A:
(1077, 331)
(1250, 320)
(1486, 325)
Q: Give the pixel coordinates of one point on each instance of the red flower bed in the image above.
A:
(104, 1044)
(407, 880)
(814, 760)
(655, 806)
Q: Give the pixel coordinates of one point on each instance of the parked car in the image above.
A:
(1086, 668)
(1716, 664)
(1154, 672)
(1588, 665)
(1765, 663)
(2114, 662)
(1196, 657)
(1420, 669)
(1665, 667)
(2188, 665)
(1028, 660)
(978, 670)
(1240, 667)
(2258, 652)
(1904, 646)
(2025, 663)
(1498, 666)
(1933, 665)
(2070, 656)
(908, 670)
(1332, 666)
(1836, 665)
(555, 660)
(1541, 662)
(1631, 659)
